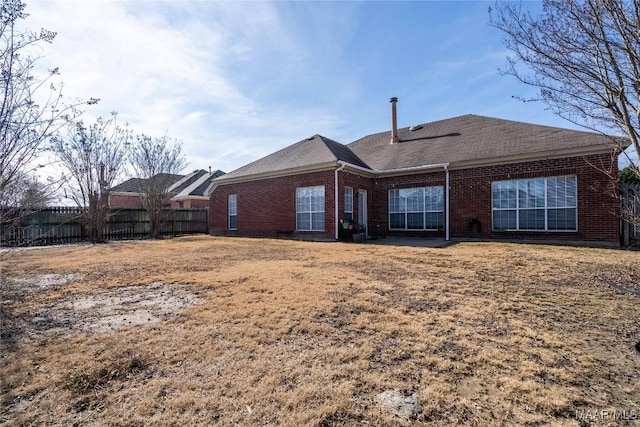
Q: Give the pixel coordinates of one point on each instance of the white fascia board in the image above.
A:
(224, 180)
(125, 193)
(178, 198)
(397, 171)
(531, 157)
(193, 186)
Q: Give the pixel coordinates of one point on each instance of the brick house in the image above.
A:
(463, 177)
(187, 191)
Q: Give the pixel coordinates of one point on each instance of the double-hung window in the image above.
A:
(310, 208)
(233, 211)
(416, 208)
(538, 204)
(348, 203)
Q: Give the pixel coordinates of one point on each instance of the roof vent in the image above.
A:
(311, 138)
(415, 127)
(394, 121)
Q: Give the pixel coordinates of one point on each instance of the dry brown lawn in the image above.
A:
(220, 331)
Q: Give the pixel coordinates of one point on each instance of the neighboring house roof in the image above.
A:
(464, 141)
(187, 186)
(197, 186)
(134, 185)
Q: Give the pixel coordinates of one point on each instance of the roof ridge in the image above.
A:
(195, 184)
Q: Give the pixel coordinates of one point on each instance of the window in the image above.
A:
(233, 211)
(348, 203)
(416, 208)
(544, 204)
(310, 208)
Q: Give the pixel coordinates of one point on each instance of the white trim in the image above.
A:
(187, 197)
(419, 168)
(180, 181)
(463, 164)
(363, 209)
(336, 195)
(311, 211)
(124, 193)
(229, 215)
(225, 179)
(530, 157)
(193, 186)
(544, 208)
(424, 210)
(446, 218)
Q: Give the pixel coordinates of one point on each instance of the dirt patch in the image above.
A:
(64, 312)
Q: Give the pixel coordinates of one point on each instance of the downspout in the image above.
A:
(446, 170)
(335, 191)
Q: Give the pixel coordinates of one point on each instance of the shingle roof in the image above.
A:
(129, 186)
(458, 140)
(197, 184)
(134, 185)
(468, 138)
(310, 151)
(187, 181)
(193, 184)
(200, 190)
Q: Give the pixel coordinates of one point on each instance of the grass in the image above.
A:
(299, 333)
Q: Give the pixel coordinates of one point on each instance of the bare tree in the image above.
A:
(31, 109)
(156, 161)
(94, 158)
(26, 192)
(583, 56)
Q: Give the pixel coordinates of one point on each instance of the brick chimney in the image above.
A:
(394, 121)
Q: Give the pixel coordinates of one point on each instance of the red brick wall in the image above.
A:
(190, 203)
(122, 201)
(380, 219)
(598, 209)
(267, 207)
(357, 182)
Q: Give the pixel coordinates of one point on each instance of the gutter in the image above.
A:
(393, 171)
(336, 195)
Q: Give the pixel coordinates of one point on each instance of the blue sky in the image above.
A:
(235, 81)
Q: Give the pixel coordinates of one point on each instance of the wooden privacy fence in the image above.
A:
(64, 225)
(630, 210)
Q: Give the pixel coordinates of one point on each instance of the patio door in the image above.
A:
(362, 209)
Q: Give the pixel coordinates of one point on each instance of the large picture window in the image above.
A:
(310, 208)
(538, 204)
(348, 203)
(416, 208)
(233, 211)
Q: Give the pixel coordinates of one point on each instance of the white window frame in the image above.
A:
(427, 208)
(348, 203)
(569, 202)
(305, 206)
(233, 211)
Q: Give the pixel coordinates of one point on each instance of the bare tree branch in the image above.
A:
(94, 158)
(32, 109)
(584, 56)
(156, 161)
